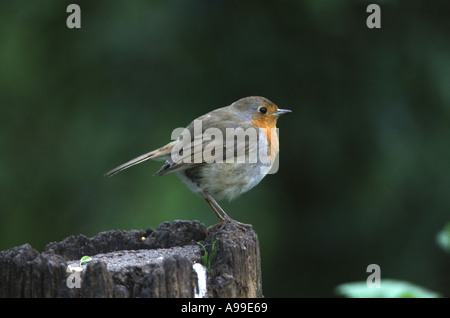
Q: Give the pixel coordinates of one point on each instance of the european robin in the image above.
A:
(213, 168)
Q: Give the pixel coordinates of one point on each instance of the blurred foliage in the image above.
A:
(365, 158)
(443, 238)
(390, 288)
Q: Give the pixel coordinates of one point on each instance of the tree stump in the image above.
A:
(151, 263)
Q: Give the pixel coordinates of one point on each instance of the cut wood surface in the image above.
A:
(137, 263)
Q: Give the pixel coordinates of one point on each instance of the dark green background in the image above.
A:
(365, 159)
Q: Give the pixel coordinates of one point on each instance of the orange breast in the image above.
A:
(269, 125)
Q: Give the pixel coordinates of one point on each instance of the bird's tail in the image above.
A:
(158, 154)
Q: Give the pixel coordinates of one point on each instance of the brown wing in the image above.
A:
(207, 140)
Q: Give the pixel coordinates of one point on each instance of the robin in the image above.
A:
(234, 171)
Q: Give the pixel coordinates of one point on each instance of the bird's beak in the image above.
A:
(282, 112)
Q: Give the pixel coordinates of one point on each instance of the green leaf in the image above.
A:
(205, 255)
(443, 238)
(390, 288)
(85, 259)
(208, 259)
(212, 257)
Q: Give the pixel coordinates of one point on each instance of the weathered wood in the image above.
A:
(152, 263)
(237, 270)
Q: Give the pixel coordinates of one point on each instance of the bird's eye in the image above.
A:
(263, 110)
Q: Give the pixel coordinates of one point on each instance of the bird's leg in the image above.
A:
(223, 217)
(217, 208)
(220, 217)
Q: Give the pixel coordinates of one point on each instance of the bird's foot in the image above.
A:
(221, 225)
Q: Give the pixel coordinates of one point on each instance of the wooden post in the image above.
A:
(152, 263)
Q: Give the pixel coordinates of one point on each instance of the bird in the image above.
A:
(222, 167)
